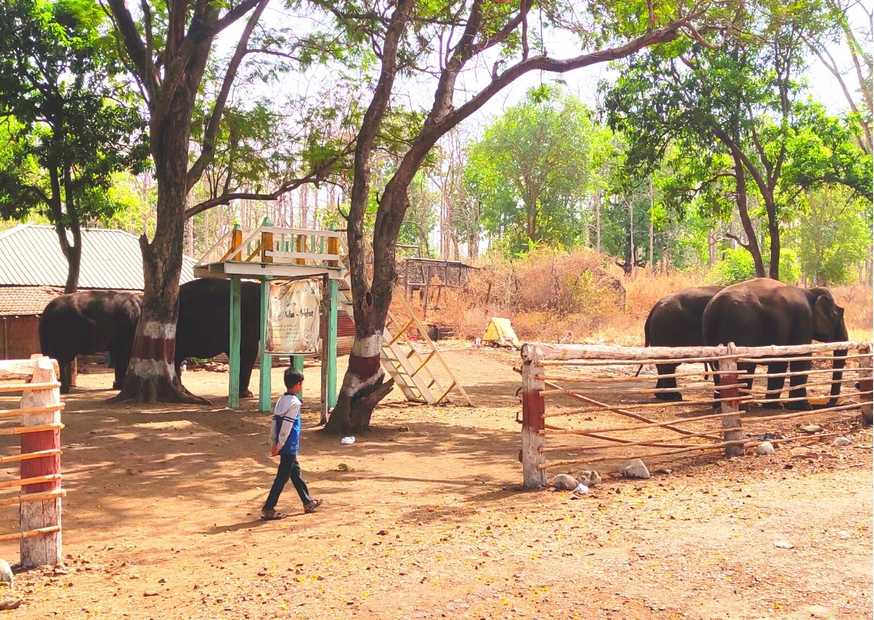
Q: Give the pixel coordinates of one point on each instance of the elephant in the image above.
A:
(761, 312)
(203, 327)
(90, 322)
(675, 321)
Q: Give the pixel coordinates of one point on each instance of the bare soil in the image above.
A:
(422, 518)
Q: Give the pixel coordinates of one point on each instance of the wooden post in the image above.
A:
(330, 344)
(866, 384)
(266, 243)
(43, 549)
(300, 245)
(264, 387)
(728, 376)
(533, 424)
(234, 346)
(236, 241)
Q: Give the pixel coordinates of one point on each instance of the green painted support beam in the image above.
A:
(264, 387)
(297, 362)
(234, 353)
(333, 293)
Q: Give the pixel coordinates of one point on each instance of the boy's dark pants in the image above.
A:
(288, 468)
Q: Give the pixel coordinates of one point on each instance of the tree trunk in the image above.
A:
(752, 244)
(74, 261)
(151, 374)
(774, 234)
(651, 235)
(531, 219)
(598, 221)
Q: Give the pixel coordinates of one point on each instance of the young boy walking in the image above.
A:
(285, 441)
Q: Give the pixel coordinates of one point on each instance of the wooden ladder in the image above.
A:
(406, 365)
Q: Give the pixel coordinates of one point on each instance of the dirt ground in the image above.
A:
(422, 518)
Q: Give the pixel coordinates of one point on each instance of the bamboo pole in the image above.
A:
(24, 430)
(14, 413)
(26, 456)
(768, 401)
(649, 390)
(41, 531)
(659, 443)
(704, 374)
(24, 482)
(772, 360)
(32, 497)
(622, 411)
(11, 388)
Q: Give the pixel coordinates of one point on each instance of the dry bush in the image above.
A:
(856, 301)
(644, 288)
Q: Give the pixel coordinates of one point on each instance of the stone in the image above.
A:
(811, 429)
(564, 482)
(6, 575)
(636, 469)
(842, 442)
(802, 452)
(150, 593)
(784, 544)
(343, 467)
(589, 478)
(765, 448)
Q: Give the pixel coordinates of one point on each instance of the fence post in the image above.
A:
(234, 346)
(46, 548)
(728, 376)
(866, 384)
(533, 423)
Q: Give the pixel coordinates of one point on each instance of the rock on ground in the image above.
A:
(842, 442)
(564, 482)
(811, 429)
(589, 477)
(765, 448)
(635, 468)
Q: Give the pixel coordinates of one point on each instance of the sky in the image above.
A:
(582, 82)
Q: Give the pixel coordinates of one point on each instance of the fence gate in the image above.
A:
(37, 490)
(701, 399)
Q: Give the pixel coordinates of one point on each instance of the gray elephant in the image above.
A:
(90, 322)
(203, 328)
(675, 321)
(763, 312)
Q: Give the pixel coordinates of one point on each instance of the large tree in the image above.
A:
(538, 152)
(169, 46)
(742, 97)
(66, 122)
(457, 35)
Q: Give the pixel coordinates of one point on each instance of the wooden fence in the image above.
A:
(37, 423)
(589, 386)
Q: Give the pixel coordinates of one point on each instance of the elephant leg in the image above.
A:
(667, 383)
(798, 385)
(120, 360)
(775, 384)
(66, 369)
(247, 361)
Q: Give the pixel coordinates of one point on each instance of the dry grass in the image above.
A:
(582, 296)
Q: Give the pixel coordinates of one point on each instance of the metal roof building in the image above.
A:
(33, 271)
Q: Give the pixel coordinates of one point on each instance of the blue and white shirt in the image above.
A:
(285, 430)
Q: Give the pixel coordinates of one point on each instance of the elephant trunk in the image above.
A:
(838, 363)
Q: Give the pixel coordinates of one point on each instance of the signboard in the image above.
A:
(293, 317)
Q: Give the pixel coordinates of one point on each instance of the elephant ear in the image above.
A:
(823, 310)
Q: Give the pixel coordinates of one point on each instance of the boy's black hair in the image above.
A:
(292, 378)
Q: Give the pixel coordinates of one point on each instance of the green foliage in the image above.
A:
(737, 265)
(67, 125)
(531, 169)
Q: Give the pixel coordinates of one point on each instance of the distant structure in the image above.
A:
(424, 275)
(33, 271)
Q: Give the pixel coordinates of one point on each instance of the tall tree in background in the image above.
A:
(66, 123)
(458, 35)
(538, 149)
(741, 97)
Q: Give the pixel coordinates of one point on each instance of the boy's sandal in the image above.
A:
(272, 515)
(312, 505)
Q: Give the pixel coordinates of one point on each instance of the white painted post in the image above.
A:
(728, 376)
(45, 548)
(533, 423)
(866, 384)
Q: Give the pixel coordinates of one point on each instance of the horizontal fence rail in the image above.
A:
(574, 395)
(37, 491)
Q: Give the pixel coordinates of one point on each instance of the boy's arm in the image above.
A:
(288, 418)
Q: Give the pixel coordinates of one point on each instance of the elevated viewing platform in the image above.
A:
(274, 252)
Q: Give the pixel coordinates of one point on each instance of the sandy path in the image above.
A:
(422, 519)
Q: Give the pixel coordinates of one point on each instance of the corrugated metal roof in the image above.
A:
(30, 255)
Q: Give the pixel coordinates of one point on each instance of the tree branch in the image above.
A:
(207, 149)
(134, 45)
